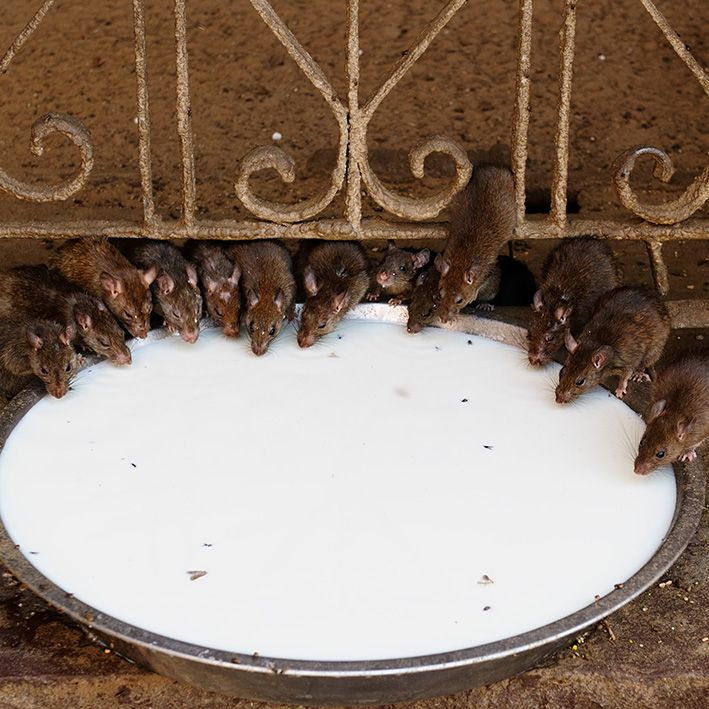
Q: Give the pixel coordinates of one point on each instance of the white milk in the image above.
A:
(341, 499)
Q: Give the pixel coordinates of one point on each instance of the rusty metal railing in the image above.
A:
(353, 172)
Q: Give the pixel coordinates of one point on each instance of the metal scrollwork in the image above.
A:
(427, 207)
(76, 131)
(274, 157)
(401, 206)
(670, 212)
(63, 123)
(695, 196)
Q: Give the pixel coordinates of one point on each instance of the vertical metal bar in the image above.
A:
(184, 115)
(25, 35)
(353, 198)
(522, 107)
(658, 267)
(145, 158)
(561, 165)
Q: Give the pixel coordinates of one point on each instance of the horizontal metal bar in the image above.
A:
(338, 229)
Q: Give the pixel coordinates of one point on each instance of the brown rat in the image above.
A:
(33, 347)
(40, 292)
(396, 274)
(482, 220)
(97, 267)
(575, 275)
(268, 289)
(219, 278)
(625, 335)
(509, 282)
(678, 419)
(335, 280)
(423, 308)
(175, 292)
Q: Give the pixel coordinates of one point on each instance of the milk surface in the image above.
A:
(347, 502)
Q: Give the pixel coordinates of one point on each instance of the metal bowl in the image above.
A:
(365, 682)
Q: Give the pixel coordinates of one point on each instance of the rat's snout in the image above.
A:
(382, 278)
(123, 357)
(259, 348)
(562, 397)
(58, 389)
(305, 340)
(231, 329)
(190, 335)
(537, 359)
(414, 328)
(139, 331)
(641, 467)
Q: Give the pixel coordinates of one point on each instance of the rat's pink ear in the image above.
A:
(684, 426)
(100, 306)
(165, 283)
(66, 335)
(537, 303)
(562, 312)
(112, 285)
(442, 264)
(602, 356)
(235, 275)
(392, 246)
(309, 281)
(191, 275)
(149, 275)
(570, 342)
(83, 320)
(34, 338)
(210, 284)
(251, 297)
(339, 300)
(279, 299)
(470, 275)
(657, 408)
(421, 258)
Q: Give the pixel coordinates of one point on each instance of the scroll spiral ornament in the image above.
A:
(76, 131)
(62, 123)
(695, 196)
(401, 206)
(421, 208)
(277, 159)
(671, 212)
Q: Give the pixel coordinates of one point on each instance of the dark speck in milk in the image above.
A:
(487, 447)
(470, 342)
(463, 401)
(437, 348)
(333, 354)
(400, 391)
(134, 465)
(34, 552)
(206, 545)
(487, 608)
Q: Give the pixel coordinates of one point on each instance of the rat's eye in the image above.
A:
(176, 314)
(561, 372)
(580, 381)
(272, 330)
(548, 337)
(427, 314)
(68, 367)
(219, 312)
(660, 454)
(252, 327)
(459, 300)
(322, 325)
(402, 268)
(103, 343)
(44, 370)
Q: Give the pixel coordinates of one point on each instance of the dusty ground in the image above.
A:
(629, 88)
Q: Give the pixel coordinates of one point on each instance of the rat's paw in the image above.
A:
(484, 307)
(688, 456)
(640, 377)
(398, 300)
